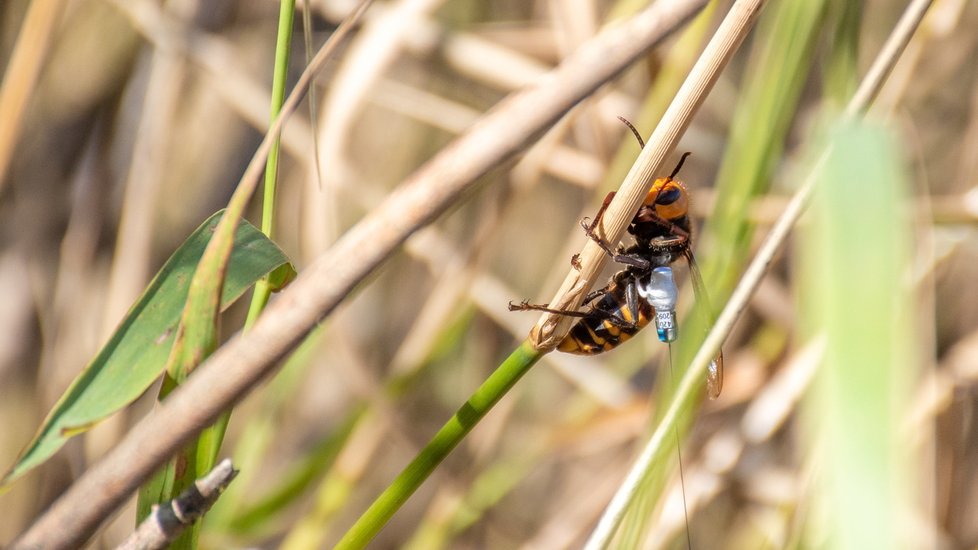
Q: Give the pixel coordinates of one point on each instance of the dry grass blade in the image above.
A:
(888, 56)
(22, 74)
(241, 364)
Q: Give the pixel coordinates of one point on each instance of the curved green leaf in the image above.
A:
(136, 353)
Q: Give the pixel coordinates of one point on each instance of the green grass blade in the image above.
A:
(257, 438)
(780, 61)
(842, 71)
(447, 438)
(256, 516)
(338, 485)
(487, 490)
(283, 47)
(197, 334)
(136, 353)
(856, 262)
(208, 444)
(334, 490)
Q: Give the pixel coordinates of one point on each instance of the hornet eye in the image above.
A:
(668, 196)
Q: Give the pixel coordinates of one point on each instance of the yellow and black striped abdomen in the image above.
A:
(597, 334)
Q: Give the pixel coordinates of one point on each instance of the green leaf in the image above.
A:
(137, 352)
(857, 294)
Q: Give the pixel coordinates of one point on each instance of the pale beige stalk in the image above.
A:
(551, 328)
(23, 73)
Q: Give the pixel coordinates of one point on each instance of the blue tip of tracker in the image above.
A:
(667, 334)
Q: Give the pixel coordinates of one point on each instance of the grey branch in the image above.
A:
(167, 521)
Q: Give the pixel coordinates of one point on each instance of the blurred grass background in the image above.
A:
(127, 144)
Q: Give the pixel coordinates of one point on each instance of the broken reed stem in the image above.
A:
(551, 328)
(170, 519)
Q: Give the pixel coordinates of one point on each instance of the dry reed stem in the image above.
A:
(218, 60)
(23, 72)
(887, 57)
(131, 260)
(551, 328)
(868, 88)
(168, 520)
(238, 366)
(369, 55)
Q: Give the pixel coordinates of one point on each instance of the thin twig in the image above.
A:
(692, 380)
(165, 523)
(887, 57)
(231, 372)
